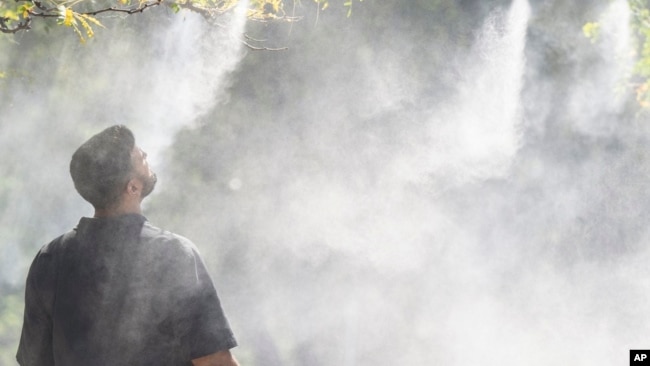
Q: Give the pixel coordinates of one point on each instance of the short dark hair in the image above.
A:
(101, 167)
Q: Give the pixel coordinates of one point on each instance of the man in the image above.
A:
(117, 290)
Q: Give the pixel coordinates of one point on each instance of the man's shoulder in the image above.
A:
(57, 243)
(167, 240)
(44, 263)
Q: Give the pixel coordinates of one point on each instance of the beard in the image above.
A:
(148, 184)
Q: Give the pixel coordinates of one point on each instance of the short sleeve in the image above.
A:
(35, 348)
(203, 325)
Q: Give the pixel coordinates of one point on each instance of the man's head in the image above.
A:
(108, 164)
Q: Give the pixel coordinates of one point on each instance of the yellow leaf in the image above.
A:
(25, 9)
(85, 25)
(10, 14)
(91, 19)
(76, 30)
(68, 18)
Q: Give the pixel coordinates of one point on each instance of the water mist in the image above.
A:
(483, 210)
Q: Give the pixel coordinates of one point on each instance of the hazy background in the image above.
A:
(423, 183)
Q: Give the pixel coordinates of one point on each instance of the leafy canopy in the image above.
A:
(83, 15)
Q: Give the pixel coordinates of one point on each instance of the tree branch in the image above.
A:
(41, 10)
(45, 12)
(24, 25)
(139, 9)
(248, 39)
(206, 12)
(256, 48)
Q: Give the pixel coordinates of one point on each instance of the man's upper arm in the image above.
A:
(202, 324)
(221, 358)
(35, 346)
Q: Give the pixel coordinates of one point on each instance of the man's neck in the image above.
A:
(117, 211)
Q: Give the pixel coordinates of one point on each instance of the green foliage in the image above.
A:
(640, 22)
(641, 25)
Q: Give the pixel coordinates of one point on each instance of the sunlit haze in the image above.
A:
(381, 192)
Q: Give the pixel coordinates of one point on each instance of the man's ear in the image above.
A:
(133, 186)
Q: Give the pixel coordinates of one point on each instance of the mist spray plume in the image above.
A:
(371, 223)
(479, 134)
(387, 224)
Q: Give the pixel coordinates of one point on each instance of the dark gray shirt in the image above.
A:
(119, 291)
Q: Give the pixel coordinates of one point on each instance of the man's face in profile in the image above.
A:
(142, 171)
